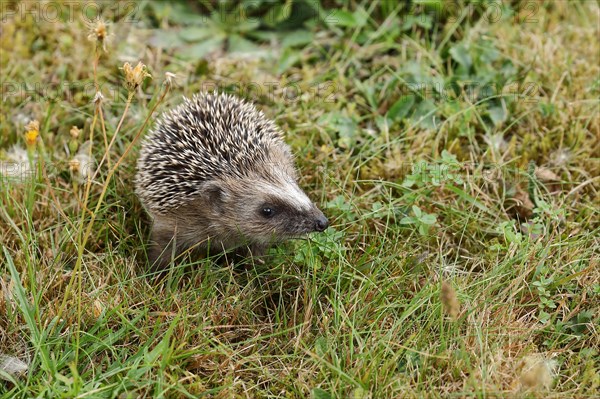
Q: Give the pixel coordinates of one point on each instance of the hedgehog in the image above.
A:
(214, 174)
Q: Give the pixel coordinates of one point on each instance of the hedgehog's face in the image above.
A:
(261, 211)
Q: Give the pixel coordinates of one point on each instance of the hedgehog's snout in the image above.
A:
(321, 223)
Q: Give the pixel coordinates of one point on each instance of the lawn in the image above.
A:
(454, 147)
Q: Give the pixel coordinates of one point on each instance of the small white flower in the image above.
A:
(496, 142)
(12, 366)
(169, 78)
(98, 98)
(82, 164)
(16, 165)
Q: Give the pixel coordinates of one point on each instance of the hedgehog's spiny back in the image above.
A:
(210, 136)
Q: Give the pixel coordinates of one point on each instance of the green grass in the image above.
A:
(455, 152)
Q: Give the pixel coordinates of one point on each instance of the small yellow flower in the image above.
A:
(31, 137)
(74, 132)
(135, 76)
(32, 132)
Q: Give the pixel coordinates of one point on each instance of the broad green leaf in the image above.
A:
(281, 12)
(430, 4)
(247, 25)
(288, 58)
(417, 211)
(318, 393)
(401, 108)
(297, 38)
(497, 114)
(422, 20)
(166, 39)
(238, 44)
(460, 54)
(347, 131)
(321, 348)
(425, 114)
(201, 49)
(343, 18)
(361, 16)
(428, 218)
(360, 393)
(196, 33)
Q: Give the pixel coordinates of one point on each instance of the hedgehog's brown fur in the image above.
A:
(208, 174)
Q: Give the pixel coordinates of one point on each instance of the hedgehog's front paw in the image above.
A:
(161, 248)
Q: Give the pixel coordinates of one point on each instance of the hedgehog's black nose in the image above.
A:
(321, 223)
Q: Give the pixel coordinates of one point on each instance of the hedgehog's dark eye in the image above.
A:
(268, 212)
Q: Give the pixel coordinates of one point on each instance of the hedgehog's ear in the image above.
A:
(215, 195)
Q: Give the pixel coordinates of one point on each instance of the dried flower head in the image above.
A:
(449, 300)
(135, 76)
(561, 157)
(536, 372)
(169, 78)
(33, 125)
(32, 131)
(98, 98)
(82, 164)
(74, 165)
(97, 308)
(99, 33)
